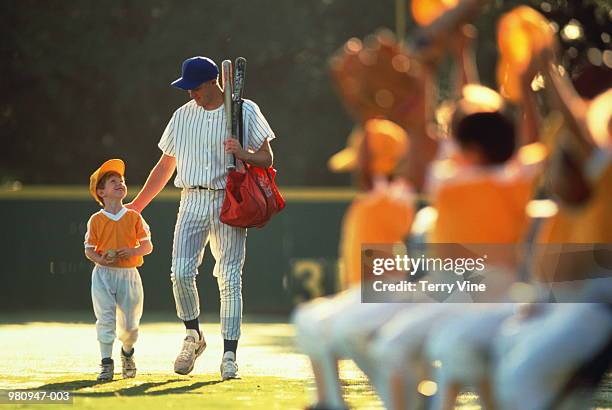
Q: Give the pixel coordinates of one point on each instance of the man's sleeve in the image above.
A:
(91, 236)
(143, 232)
(167, 141)
(257, 127)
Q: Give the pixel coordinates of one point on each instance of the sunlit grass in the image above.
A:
(64, 357)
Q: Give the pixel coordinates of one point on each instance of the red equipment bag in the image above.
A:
(251, 197)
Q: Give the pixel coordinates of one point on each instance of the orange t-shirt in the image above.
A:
(590, 223)
(574, 234)
(483, 205)
(378, 217)
(126, 229)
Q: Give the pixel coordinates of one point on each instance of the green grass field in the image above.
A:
(54, 356)
(64, 356)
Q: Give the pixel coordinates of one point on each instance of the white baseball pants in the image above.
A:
(536, 356)
(117, 298)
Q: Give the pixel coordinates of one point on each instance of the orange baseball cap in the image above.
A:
(114, 165)
(425, 12)
(521, 33)
(387, 143)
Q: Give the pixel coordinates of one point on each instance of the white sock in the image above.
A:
(106, 350)
(193, 333)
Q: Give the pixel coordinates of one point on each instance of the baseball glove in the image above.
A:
(377, 78)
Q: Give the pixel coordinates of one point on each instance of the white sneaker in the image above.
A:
(189, 353)
(128, 365)
(229, 368)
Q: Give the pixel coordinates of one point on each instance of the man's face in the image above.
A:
(203, 94)
(114, 187)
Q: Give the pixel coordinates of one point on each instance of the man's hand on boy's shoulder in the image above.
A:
(133, 207)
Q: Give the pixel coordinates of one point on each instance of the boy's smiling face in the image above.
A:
(114, 187)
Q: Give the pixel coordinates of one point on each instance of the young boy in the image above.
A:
(116, 241)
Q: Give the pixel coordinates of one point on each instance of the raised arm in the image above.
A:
(573, 149)
(466, 71)
(157, 180)
(564, 98)
(423, 141)
(529, 114)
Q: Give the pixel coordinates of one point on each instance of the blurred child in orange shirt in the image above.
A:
(382, 213)
(481, 193)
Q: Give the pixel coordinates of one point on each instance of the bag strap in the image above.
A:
(241, 124)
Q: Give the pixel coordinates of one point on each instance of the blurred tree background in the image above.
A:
(84, 81)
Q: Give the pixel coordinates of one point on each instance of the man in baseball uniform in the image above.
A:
(196, 145)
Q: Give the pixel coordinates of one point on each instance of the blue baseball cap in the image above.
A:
(196, 70)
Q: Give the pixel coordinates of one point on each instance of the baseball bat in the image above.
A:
(226, 72)
(239, 80)
(239, 77)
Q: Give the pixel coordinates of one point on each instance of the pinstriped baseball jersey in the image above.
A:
(194, 136)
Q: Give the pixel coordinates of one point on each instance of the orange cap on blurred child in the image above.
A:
(521, 33)
(114, 165)
(426, 11)
(387, 144)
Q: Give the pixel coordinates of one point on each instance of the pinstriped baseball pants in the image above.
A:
(197, 225)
